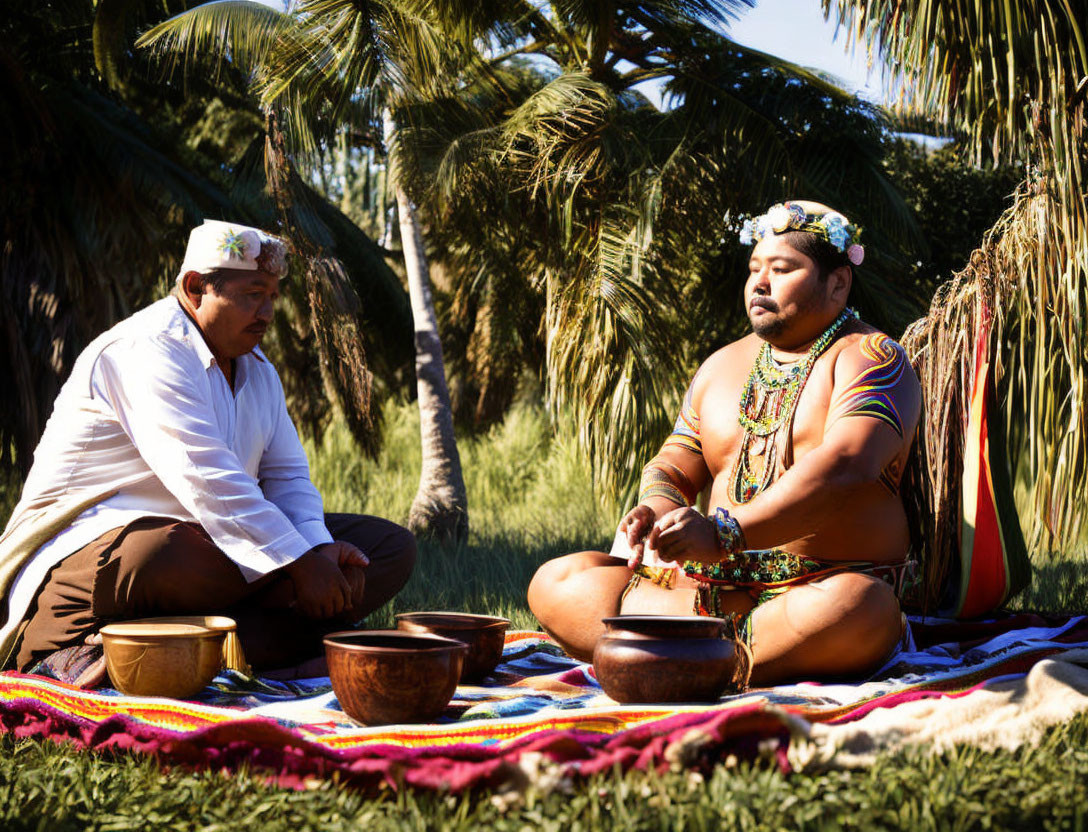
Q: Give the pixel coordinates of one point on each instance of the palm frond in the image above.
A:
(492, 24)
(209, 36)
(609, 364)
(101, 188)
(1038, 343)
(995, 70)
(108, 38)
(334, 306)
(1006, 76)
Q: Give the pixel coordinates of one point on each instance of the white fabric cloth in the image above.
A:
(148, 411)
(1008, 712)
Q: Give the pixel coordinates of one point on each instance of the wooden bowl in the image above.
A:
(667, 658)
(485, 636)
(175, 657)
(386, 677)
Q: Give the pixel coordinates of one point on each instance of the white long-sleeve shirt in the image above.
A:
(147, 409)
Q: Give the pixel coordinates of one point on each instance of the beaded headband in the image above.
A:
(831, 226)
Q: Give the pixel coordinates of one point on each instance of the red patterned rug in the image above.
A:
(539, 708)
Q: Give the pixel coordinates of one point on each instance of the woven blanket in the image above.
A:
(540, 711)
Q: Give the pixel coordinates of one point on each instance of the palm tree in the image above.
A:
(332, 65)
(96, 199)
(559, 192)
(558, 174)
(1011, 80)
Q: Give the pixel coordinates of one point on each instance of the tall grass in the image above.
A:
(530, 498)
(523, 484)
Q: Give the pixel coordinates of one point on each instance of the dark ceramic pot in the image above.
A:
(668, 658)
(485, 636)
(383, 677)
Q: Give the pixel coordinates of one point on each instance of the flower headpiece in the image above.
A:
(224, 245)
(832, 226)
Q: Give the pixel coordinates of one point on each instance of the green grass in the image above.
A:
(530, 499)
(45, 787)
(524, 486)
(1059, 583)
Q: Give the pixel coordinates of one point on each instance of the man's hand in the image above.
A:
(636, 524)
(345, 554)
(352, 563)
(356, 578)
(321, 588)
(684, 534)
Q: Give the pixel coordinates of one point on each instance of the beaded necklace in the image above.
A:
(767, 403)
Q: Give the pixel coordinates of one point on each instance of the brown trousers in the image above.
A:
(162, 566)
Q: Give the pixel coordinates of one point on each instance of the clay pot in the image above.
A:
(175, 657)
(485, 636)
(667, 658)
(385, 676)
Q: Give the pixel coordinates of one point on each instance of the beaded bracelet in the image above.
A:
(730, 534)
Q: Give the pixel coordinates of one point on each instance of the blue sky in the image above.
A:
(796, 30)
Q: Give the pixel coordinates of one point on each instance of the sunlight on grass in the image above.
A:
(523, 485)
(530, 499)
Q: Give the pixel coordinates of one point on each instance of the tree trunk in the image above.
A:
(440, 507)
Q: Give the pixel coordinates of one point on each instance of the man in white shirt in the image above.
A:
(191, 490)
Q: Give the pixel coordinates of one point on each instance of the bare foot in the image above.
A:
(94, 675)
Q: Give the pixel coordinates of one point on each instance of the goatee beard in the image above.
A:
(767, 327)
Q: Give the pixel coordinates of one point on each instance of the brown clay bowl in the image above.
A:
(667, 658)
(175, 657)
(484, 635)
(384, 677)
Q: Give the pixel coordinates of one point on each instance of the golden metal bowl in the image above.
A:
(172, 656)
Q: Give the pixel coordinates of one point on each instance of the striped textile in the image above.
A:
(538, 700)
(993, 559)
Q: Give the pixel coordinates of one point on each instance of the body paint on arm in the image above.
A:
(872, 392)
(685, 433)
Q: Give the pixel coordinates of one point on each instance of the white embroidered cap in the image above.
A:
(227, 245)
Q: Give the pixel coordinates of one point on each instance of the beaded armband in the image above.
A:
(730, 534)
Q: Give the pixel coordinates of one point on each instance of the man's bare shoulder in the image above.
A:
(873, 376)
(727, 361)
(863, 347)
(728, 354)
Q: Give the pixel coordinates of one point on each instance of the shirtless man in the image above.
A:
(801, 430)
